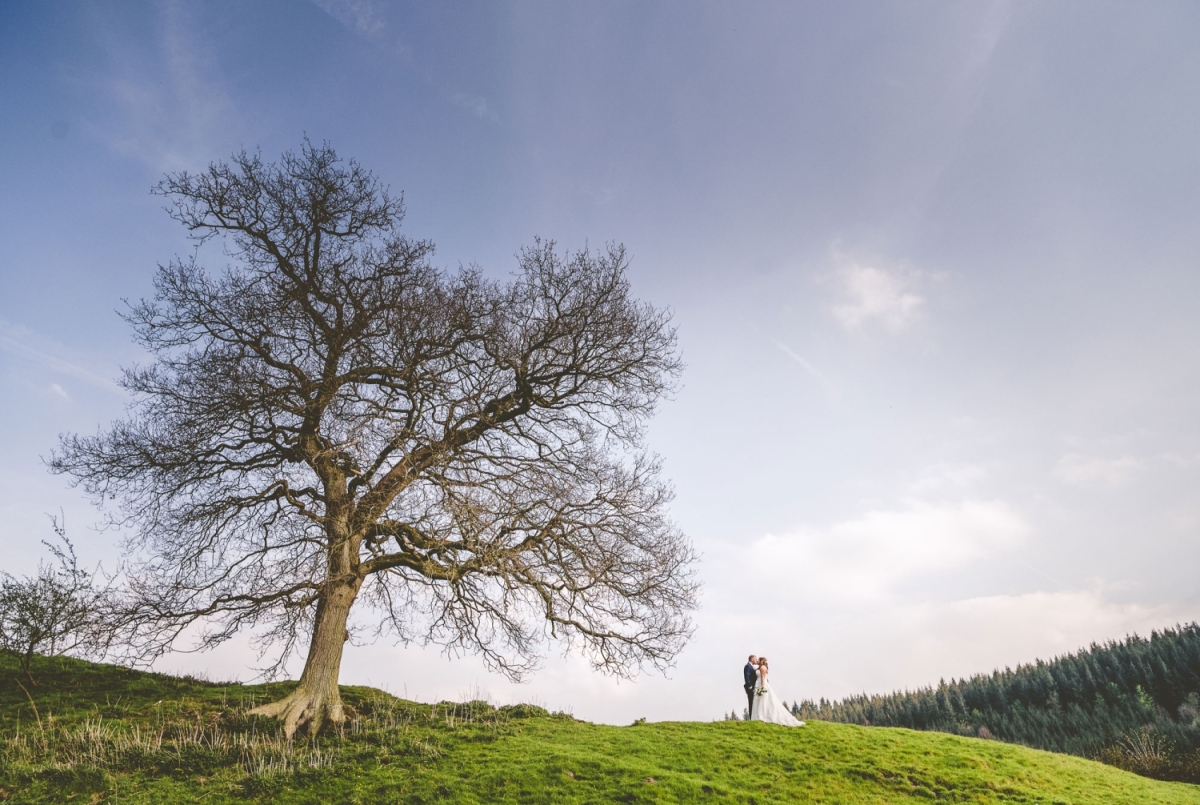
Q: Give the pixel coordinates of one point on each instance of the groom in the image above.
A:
(750, 677)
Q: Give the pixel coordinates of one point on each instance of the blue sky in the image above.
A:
(935, 266)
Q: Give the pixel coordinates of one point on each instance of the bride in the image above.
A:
(766, 707)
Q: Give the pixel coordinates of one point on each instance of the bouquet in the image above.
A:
(760, 691)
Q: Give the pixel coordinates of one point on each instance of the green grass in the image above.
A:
(108, 734)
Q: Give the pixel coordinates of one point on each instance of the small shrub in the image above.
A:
(524, 711)
(1151, 755)
(60, 610)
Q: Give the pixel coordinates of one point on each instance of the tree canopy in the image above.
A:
(332, 418)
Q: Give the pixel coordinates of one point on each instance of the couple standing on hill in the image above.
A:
(763, 704)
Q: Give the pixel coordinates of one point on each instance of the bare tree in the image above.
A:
(62, 610)
(333, 419)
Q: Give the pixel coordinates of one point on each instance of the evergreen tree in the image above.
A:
(1079, 703)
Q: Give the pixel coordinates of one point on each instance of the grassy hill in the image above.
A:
(98, 733)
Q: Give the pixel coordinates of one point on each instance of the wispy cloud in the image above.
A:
(980, 48)
(474, 104)
(946, 477)
(871, 295)
(1181, 461)
(1080, 470)
(165, 106)
(368, 19)
(364, 17)
(827, 385)
(24, 343)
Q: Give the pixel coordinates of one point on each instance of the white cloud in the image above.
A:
(1079, 470)
(912, 644)
(863, 559)
(59, 391)
(874, 295)
(774, 598)
(1039, 624)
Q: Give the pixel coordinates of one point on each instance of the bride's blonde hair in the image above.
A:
(762, 660)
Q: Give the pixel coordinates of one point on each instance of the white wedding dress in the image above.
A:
(768, 708)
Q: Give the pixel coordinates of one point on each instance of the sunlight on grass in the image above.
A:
(103, 733)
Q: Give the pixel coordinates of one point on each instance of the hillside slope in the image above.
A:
(108, 734)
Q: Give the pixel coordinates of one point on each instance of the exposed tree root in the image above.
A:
(304, 709)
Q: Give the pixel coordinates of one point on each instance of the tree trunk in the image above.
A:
(27, 666)
(316, 698)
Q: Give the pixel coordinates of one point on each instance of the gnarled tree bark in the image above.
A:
(316, 698)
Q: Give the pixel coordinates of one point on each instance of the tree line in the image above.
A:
(1107, 696)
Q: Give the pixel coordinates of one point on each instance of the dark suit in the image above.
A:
(750, 677)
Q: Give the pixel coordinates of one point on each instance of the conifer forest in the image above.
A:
(1134, 703)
